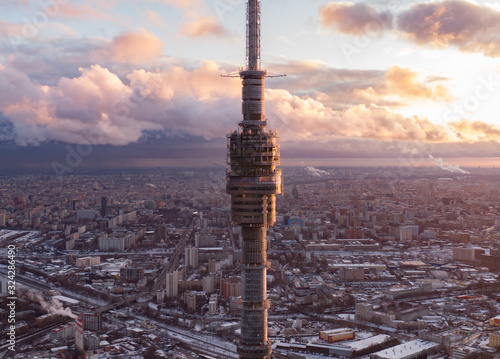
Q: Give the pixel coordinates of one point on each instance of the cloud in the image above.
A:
(476, 131)
(355, 19)
(468, 26)
(343, 88)
(197, 100)
(202, 26)
(305, 117)
(402, 83)
(132, 48)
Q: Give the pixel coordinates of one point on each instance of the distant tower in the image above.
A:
(253, 181)
(104, 206)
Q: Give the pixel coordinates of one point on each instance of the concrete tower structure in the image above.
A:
(253, 181)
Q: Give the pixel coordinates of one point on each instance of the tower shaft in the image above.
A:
(253, 180)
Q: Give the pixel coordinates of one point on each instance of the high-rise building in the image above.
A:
(172, 284)
(190, 300)
(104, 206)
(212, 305)
(230, 287)
(253, 181)
(92, 321)
(79, 334)
(161, 233)
(191, 257)
(212, 265)
(160, 296)
(209, 284)
(91, 341)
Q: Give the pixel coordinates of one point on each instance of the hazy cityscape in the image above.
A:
(362, 259)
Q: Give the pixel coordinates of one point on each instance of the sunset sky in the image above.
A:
(364, 79)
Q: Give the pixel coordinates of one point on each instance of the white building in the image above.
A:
(212, 305)
(117, 241)
(91, 341)
(63, 333)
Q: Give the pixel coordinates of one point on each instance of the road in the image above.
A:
(173, 263)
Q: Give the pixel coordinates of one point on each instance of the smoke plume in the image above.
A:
(447, 167)
(53, 306)
(316, 172)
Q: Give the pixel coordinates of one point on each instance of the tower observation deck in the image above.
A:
(253, 181)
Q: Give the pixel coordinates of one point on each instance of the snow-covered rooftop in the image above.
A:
(406, 349)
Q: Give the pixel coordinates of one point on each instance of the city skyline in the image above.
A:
(365, 80)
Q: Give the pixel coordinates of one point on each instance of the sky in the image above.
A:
(365, 79)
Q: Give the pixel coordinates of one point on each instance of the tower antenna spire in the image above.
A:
(253, 35)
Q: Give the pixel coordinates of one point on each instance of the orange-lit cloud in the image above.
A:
(341, 88)
(201, 103)
(201, 26)
(476, 131)
(305, 118)
(402, 83)
(357, 19)
(132, 48)
(470, 27)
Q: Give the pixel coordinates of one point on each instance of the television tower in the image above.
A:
(253, 180)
